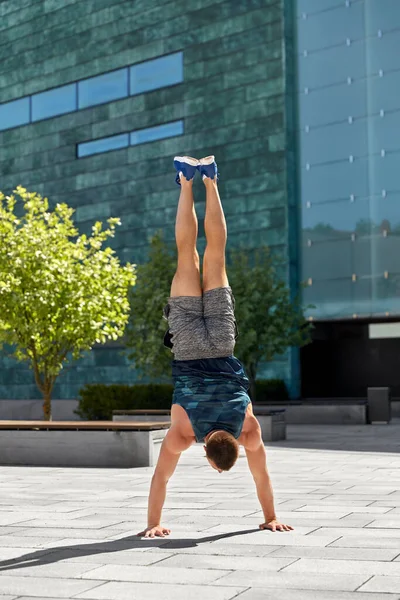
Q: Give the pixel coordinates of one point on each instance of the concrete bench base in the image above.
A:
(80, 448)
(325, 414)
(272, 423)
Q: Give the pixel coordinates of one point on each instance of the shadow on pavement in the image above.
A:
(53, 555)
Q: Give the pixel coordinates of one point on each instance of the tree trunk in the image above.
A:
(47, 405)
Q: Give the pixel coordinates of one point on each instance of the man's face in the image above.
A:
(212, 464)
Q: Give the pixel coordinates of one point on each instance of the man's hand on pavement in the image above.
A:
(157, 531)
(275, 525)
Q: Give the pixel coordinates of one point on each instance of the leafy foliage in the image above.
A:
(60, 292)
(268, 321)
(270, 389)
(147, 326)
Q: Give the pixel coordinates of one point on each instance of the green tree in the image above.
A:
(268, 321)
(60, 292)
(147, 325)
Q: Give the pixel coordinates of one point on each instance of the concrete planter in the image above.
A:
(61, 410)
(272, 422)
(105, 447)
(396, 409)
(327, 412)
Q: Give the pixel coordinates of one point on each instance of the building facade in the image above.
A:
(348, 79)
(297, 100)
(97, 96)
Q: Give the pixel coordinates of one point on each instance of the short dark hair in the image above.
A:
(223, 450)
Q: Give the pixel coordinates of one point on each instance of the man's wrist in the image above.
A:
(269, 518)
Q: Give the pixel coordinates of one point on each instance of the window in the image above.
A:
(156, 133)
(54, 102)
(103, 88)
(144, 77)
(103, 145)
(157, 73)
(134, 138)
(14, 113)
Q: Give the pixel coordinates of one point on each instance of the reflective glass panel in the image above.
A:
(103, 145)
(350, 155)
(387, 210)
(363, 291)
(328, 260)
(156, 133)
(384, 173)
(157, 73)
(333, 220)
(332, 27)
(361, 255)
(14, 113)
(381, 14)
(335, 181)
(310, 6)
(383, 52)
(332, 65)
(335, 103)
(334, 142)
(332, 299)
(103, 88)
(383, 91)
(54, 102)
(385, 254)
(381, 132)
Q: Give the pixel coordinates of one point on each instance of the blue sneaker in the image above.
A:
(208, 167)
(185, 165)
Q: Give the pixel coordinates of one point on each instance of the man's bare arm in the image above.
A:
(257, 460)
(170, 452)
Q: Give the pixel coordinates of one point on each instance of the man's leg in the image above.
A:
(186, 281)
(214, 273)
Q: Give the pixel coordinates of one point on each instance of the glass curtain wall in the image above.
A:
(348, 58)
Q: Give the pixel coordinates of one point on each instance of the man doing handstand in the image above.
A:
(210, 401)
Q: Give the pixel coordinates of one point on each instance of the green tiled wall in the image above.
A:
(235, 102)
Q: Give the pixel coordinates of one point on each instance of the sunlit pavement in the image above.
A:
(71, 533)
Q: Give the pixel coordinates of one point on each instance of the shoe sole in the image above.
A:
(208, 160)
(193, 162)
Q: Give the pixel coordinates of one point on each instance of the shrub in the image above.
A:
(270, 389)
(98, 401)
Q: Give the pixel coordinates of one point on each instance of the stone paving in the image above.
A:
(71, 533)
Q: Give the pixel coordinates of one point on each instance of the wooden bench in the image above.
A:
(81, 443)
